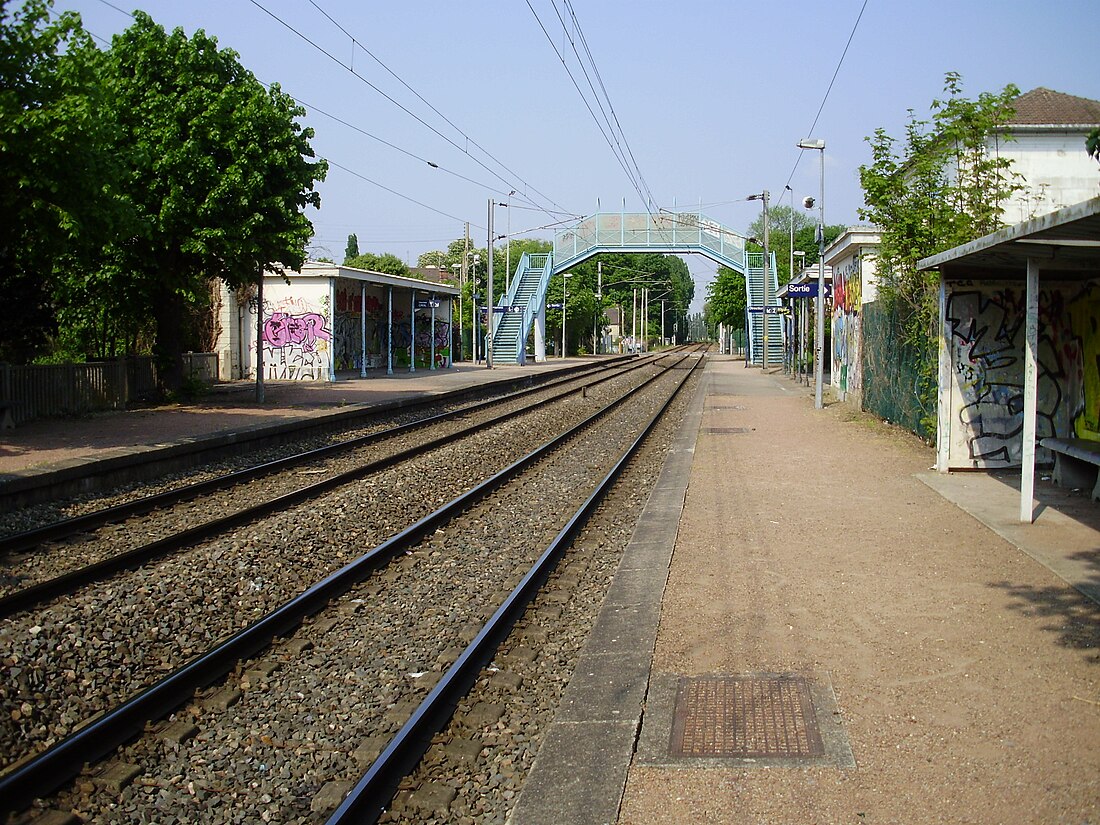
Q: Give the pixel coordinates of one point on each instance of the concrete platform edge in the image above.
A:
(579, 774)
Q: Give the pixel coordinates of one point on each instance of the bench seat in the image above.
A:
(1076, 463)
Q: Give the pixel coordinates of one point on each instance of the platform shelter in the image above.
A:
(1020, 344)
(327, 320)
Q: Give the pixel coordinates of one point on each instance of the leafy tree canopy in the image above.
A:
(386, 263)
(56, 212)
(219, 173)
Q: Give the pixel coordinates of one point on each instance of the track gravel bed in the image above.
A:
(25, 569)
(82, 655)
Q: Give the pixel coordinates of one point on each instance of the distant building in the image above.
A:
(1047, 150)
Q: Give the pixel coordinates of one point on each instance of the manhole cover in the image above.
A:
(726, 430)
(745, 717)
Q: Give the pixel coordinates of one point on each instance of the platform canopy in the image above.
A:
(1064, 245)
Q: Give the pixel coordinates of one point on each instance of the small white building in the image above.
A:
(851, 259)
(329, 320)
(1047, 150)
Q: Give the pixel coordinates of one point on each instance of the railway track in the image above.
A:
(96, 544)
(478, 524)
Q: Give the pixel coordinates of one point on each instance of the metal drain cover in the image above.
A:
(745, 717)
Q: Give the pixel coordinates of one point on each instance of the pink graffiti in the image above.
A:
(282, 330)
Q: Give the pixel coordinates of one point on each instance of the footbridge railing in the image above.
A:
(665, 232)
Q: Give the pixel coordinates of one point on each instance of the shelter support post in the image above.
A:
(540, 335)
(943, 399)
(412, 330)
(389, 330)
(363, 328)
(1031, 405)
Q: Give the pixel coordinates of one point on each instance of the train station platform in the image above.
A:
(37, 452)
(809, 626)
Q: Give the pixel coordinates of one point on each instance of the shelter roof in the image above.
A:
(1066, 243)
(321, 269)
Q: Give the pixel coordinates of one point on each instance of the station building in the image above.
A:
(328, 321)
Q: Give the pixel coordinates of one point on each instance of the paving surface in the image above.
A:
(951, 653)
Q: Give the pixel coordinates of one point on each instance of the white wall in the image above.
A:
(1055, 169)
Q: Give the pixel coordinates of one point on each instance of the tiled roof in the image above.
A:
(1044, 107)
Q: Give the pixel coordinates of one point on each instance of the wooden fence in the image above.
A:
(50, 390)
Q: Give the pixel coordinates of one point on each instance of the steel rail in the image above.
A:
(42, 774)
(368, 799)
(29, 539)
(67, 583)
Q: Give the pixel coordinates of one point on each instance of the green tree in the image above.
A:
(352, 249)
(726, 299)
(219, 173)
(942, 189)
(387, 263)
(56, 211)
(1092, 143)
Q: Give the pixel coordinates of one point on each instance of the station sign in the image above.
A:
(770, 310)
(553, 306)
(808, 290)
(427, 304)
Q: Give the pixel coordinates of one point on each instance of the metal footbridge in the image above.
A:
(523, 308)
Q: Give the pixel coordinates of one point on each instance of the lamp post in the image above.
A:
(489, 294)
(508, 248)
(819, 305)
(460, 270)
(475, 322)
(564, 276)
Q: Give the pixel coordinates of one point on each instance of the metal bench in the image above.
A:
(1076, 463)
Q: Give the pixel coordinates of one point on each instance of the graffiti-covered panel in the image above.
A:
(297, 331)
(847, 372)
(984, 336)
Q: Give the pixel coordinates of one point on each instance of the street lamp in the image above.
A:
(564, 276)
(475, 322)
(819, 305)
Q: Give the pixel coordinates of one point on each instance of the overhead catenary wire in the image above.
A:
(356, 42)
(388, 97)
(607, 97)
(825, 98)
(616, 151)
(394, 192)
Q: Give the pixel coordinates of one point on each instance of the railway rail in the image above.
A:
(71, 753)
(343, 462)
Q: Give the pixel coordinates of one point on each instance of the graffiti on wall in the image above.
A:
(985, 340)
(296, 341)
(846, 321)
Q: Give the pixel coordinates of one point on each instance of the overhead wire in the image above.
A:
(388, 97)
(603, 132)
(821, 108)
(367, 134)
(607, 97)
(356, 42)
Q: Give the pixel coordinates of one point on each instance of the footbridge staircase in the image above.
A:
(523, 308)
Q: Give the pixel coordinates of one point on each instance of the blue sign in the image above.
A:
(808, 290)
(427, 304)
(770, 310)
(553, 306)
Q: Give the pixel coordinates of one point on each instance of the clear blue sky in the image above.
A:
(711, 96)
